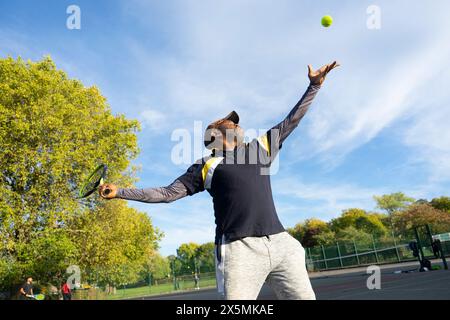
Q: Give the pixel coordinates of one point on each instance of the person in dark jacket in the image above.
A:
(252, 246)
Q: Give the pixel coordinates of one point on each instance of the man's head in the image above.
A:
(30, 280)
(224, 134)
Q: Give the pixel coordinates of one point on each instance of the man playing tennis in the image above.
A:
(251, 244)
(26, 290)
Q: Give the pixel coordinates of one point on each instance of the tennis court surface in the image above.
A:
(351, 285)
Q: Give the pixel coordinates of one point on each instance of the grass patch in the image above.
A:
(128, 293)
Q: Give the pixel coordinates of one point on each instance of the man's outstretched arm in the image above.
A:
(189, 183)
(282, 130)
(176, 190)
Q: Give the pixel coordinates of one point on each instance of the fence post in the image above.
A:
(356, 252)
(396, 249)
(324, 258)
(307, 260)
(174, 276)
(339, 254)
(149, 282)
(310, 257)
(375, 249)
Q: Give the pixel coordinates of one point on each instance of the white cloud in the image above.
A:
(391, 95)
(326, 200)
(230, 55)
(330, 198)
(429, 135)
(153, 119)
(252, 56)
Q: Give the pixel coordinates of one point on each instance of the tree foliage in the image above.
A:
(361, 220)
(53, 132)
(420, 215)
(352, 233)
(393, 202)
(205, 257)
(297, 231)
(312, 232)
(192, 257)
(441, 203)
(187, 254)
(158, 266)
(314, 228)
(117, 243)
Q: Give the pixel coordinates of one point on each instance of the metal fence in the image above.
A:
(338, 256)
(156, 287)
(353, 254)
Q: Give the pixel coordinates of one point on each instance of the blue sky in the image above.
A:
(378, 125)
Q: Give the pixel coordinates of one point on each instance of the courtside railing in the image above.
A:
(353, 254)
(157, 287)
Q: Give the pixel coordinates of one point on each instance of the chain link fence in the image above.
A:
(344, 254)
(347, 254)
(155, 287)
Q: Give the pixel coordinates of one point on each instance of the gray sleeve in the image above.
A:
(282, 130)
(176, 190)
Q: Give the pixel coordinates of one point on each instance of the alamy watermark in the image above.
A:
(73, 21)
(373, 21)
(374, 280)
(189, 148)
(74, 279)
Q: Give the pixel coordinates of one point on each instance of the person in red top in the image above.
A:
(66, 292)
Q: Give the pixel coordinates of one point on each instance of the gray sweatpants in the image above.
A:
(244, 265)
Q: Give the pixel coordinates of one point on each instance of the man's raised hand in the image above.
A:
(318, 77)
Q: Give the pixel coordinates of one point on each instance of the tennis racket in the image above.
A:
(37, 296)
(94, 180)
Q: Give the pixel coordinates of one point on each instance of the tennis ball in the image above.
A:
(327, 21)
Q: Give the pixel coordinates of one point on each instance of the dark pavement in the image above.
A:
(351, 285)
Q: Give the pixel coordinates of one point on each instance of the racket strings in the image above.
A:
(93, 181)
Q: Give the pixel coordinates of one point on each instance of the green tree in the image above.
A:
(313, 229)
(205, 257)
(46, 256)
(176, 265)
(419, 215)
(158, 266)
(53, 132)
(187, 254)
(298, 231)
(351, 234)
(117, 243)
(326, 237)
(441, 203)
(393, 202)
(9, 273)
(361, 220)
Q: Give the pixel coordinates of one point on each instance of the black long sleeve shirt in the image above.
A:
(237, 182)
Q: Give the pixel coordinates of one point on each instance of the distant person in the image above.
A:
(66, 292)
(196, 281)
(26, 290)
(252, 245)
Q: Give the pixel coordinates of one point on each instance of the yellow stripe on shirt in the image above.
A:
(264, 142)
(208, 170)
